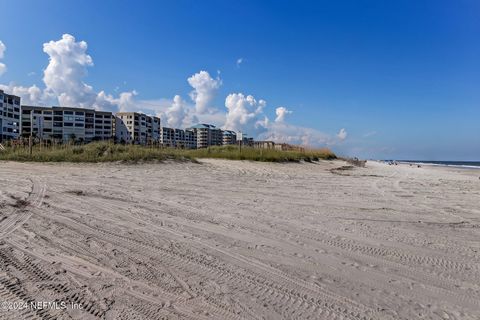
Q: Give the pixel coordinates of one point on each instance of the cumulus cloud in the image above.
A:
(3, 48)
(3, 67)
(239, 62)
(124, 102)
(245, 113)
(30, 95)
(67, 67)
(204, 90)
(128, 101)
(63, 78)
(342, 134)
(177, 113)
(288, 133)
(281, 112)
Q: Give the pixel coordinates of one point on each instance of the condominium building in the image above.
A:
(207, 135)
(185, 139)
(153, 129)
(122, 133)
(138, 128)
(9, 116)
(178, 138)
(229, 137)
(66, 124)
(190, 139)
(103, 125)
(167, 137)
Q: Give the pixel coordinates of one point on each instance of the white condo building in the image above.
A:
(9, 116)
(178, 138)
(66, 124)
(137, 128)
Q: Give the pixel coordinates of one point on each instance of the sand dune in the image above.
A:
(239, 240)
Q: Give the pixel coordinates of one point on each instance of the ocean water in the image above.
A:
(458, 164)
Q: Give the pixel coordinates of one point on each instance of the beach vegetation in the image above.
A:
(109, 152)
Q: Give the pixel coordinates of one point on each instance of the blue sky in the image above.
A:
(402, 78)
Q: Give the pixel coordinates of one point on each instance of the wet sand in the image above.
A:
(239, 240)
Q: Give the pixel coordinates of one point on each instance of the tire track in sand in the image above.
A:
(20, 215)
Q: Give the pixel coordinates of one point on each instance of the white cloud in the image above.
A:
(127, 101)
(30, 95)
(153, 106)
(239, 62)
(177, 113)
(281, 112)
(204, 90)
(342, 134)
(369, 134)
(284, 132)
(245, 113)
(3, 67)
(63, 80)
(3, 48)
(124, 102)
(63, 77)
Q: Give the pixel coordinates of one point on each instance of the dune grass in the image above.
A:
(269, 155)
(108, 152)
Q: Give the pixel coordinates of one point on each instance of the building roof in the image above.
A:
(8, 95)
(72, 109)
(203, 126)
(36, 107)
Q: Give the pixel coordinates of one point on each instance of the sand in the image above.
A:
(239, 240)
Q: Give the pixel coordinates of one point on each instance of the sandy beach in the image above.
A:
(239, 240)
